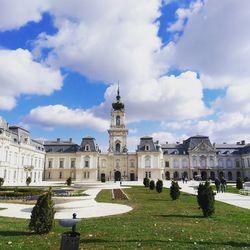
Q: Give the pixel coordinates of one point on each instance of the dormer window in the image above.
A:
(118, 147)
(87, 148)
(147, 147)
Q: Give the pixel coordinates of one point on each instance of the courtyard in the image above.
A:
(155, 222)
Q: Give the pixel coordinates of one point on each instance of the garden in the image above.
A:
(156, 222)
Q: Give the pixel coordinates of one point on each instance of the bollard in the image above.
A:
(70, 240)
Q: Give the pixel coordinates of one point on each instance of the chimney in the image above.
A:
(243, 142)
(58, 139)
(166, 142)
(238, 143)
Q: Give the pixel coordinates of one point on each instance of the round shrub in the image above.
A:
(205, 199)
(152, 185)
(1, 181)
(175, 190)
(69, 181)
(159, 186)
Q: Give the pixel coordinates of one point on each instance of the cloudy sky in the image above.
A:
(183, 67)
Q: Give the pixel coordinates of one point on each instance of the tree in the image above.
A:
(205, 199)
(42, 215)
(175, 190)
(1, 181)
(28, 181)
(69, 181)
(152, 185)
(146, 182)
(239, 183)
(159, 186)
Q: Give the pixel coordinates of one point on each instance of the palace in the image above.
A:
(20, 157)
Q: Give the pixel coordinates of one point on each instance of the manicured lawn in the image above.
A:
(156, 222)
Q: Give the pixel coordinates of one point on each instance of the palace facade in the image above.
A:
(20, 157)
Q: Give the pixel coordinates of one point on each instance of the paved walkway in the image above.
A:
(84, 207)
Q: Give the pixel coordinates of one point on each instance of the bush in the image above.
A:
(246, 179)
(205, 199)
(152, 185)
(1, 181)
(28, 181)
(175, 190)
(146, 182)
(42, 215)
(239, 183)
(159, 186)
(69, 181)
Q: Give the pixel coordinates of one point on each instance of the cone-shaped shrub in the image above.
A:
(159, 186)
(69, 181)
(146, 182)
(175, 190)
(28, 181)
(205, 199)
(1, 181)
(42, 215)
(239, 183)
(152, 185)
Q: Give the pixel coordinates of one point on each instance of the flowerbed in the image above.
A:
(118, 194)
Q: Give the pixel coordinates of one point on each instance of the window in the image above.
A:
(149, 174)
(146, 174)
(132, 163)
(86, 162)
(103, 163)
(176, 163)
(118, 120)
(87, 148)
(60, 175)
(147, 162)
(220, 163)
(118, 147)
(147, 147)
(87, 175)
(229, 163)
(117, 163)
(211, 163)
(61, 163)
(194, 161)
(166, 164)
(237, 163)
(50, 163)
(73, 163)
(202, 161)
(248, 162)
(49, 175)
(184, 163)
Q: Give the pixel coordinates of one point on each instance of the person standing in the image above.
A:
(217, 185)
(223, 185)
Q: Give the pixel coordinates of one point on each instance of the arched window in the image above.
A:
(117, 163)
(184, 163)
(202, 161)
(147, 162)
(147, 147)
(118, 147)
(220, 163)
(87, 147)
(118, 120)
(176, 163)
(194, 161)
(103, 164)
(229, 163)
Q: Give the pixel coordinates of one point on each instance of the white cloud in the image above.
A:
(15, 14)
(216, 44)
(60, 116)
(20, 74)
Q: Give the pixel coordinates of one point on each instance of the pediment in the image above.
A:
(203, 147)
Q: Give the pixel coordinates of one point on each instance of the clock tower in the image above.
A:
(118, 132)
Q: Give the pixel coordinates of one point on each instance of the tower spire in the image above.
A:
(118, 97)
(118, 105)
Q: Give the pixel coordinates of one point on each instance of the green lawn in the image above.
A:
(156, 222)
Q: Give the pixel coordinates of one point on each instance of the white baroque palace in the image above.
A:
(21, 157)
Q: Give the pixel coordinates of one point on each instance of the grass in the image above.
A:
(156, 222)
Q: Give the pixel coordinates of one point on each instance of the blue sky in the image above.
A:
(180, 69)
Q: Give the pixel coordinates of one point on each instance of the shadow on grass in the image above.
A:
(204, 243)
(180, 216)
(145, 242)
(15, 233)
